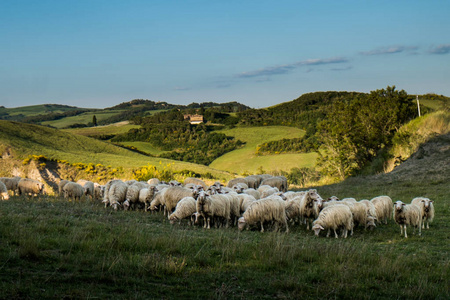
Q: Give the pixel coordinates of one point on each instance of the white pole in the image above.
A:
(418, 106)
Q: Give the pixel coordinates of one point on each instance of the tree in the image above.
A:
(94, 120)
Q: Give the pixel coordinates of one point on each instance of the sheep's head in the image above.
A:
(333, 198)
(317, 228)
(399, 205)
(172, 219)
(238, 189)
(126, 205)
(427, 204)
(314, 199)
(241, 223)
(371, 222)
(281, 195)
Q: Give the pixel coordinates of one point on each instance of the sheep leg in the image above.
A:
(262, 227)
(335, 233)
(406, 235)
(428, 225)
(420, 229)
(208, 220)
(328, 232)
(287, 228)
(401, 230)
(344, 233)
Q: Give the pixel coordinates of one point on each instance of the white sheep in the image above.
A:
(12, 184)
(244, 201)
(213, 206)
(427, 209)
(146, 196)
(271, 209)
(310, 206)
(153, 181)
(279, 182)
(293, 207)
(61, 185)
(173, 195)
(29, 186)
(3, 191)
(383, 206)
(334, 217)
(133, 193)
(117, 194)
(73, 190)
(99, 191)
(269, 192)
(253, 181)
(106, 191)
(407, 214)
(235, 181)
(185, 208)
(196, 181)
(88, 186)
(252, 192)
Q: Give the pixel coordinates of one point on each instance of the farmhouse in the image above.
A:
(194, 119)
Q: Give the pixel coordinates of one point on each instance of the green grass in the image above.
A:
(144, 146)
(112, 129)
(83, 118)
(245, 160)
(57, 249)
(34, 110)
(27, 139)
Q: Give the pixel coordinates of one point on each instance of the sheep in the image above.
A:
(361, 215)
(234, 181)
(407, 214)
(196, 181)
(3, 191)
(332, 198)
(132, 195)
(11, 184)
(277, 182)
(117, 194)
(427, 210)
(99, 191)
(170, 197)
(146, 196)
(383, 206)
(153, 181)
(293, 207)
(131, 182)
(371, 210)
(265, 210)
(244, 201)
(184, 209)
(106, 191)
(252, 182)
(334, 217)
(29, 186)
(310, 206)
(253, 193)
(211, 206)
(269, 192)
(157, 200)
(262, 188)
(174, 183)
(61, 185)
(349, 200)
(88, 186)
(73, 190)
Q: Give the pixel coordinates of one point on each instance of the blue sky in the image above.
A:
(260, 53)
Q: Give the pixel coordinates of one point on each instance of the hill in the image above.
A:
(23, 112)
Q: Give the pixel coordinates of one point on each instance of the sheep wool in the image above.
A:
(3, 192)
(31, 187)
(265, 210)
(383, 206)
(427, 209)
(185, 208)
(334, 217)
(73, 190)
(407, 214)
(310, 206)
(213, 206)
(12, 184)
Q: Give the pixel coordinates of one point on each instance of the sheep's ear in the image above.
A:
(403, 204)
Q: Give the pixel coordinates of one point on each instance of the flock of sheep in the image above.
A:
(254, 201)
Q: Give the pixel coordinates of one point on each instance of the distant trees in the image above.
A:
(355, 131)
(94, 120)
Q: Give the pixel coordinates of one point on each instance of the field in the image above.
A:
(83, 118)
(57, 249)
(116, 128)
(245, 160)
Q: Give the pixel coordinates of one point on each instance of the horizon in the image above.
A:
(97, 54)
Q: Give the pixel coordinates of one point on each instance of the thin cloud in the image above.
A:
(441, 49)
(283, 69)
(341, 69)
(389, 50)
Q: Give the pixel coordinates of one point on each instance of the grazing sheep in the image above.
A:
(157, 201)
(252, 192)
(262, 188)
(235, 181)
(99, 191)
(73, 190)
(310, 206)
(174, 183)
(61, 185)
(277, 182)
(132, 195)
(269, 192)
(244, 201)
(349, 200)
(361, 216)
(213, 206)
(332, 198)
(12, 184)
(88, 186)
(196, 181)
(3, 191)
(146, 196)
(383, 206)
(253, 182)
(153, 181)
(173, 195)
(117, 194)
(334, 217)
(130, 182)
(185, 208)
(407, 214)
(271, 209)
(371, 210)
(29, 186)
(106, 191)
(427, 209)
(293, 207)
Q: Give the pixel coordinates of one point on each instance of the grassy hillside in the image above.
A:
(33, 110)
(27, 139)
(112, 129)
(58, 249)
(245, 159)
(83, 118)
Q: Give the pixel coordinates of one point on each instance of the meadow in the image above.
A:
(83, 118)
(52, 248)
(245, 160)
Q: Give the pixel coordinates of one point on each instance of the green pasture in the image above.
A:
(144, 146)
(245, 160)
(34, 110)
(83, 118)
(111, 129)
